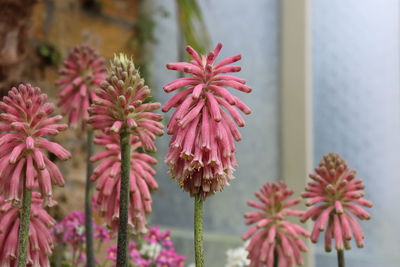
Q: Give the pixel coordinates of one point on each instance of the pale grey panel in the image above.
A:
(357, 111)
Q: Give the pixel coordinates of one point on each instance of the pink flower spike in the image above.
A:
(24, 149)
(108, 177)
(202, 151)
(119, 104)
(272, 231)
(333, 195)
(40, 244)
(80, 76)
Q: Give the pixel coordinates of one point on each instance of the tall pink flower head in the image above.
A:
(202, 150)
(82, 73)
(26, 121)
(336, 196)
(272, 235)
(120, 104)
(40, 244)
(108, 177)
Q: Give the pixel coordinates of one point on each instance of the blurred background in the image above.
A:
(325, 76)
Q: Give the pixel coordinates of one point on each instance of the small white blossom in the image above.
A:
(151, 250)
(237, 257)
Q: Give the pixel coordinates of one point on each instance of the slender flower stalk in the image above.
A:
(23, 235)
(83, 71)
(198, 232)
(119, 108)
(335, 197)
(201, 156)
(274, 240)
(24, 165)
(88, 202)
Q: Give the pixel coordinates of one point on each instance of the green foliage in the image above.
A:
(193, 28)
(49, 54)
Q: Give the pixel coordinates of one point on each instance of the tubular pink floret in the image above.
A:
(80, 76)
(23, 146)
(108, 177)
(204, 125)
(272, 231)
(334, 194)
(40, 244)
(119, 104)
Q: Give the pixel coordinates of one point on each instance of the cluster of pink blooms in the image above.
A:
(82, 73)
(273, 237)
(167, 256)
(119, 104)
(40, 244)
(25, 122)
(202, 150)
(70, 232)
(108, 177)
(335, 195)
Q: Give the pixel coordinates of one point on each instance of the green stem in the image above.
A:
(340, 258)
(276, 258)
(59, 254)
(88, 203)
(122, 246)
(23, 236)
(198, 232)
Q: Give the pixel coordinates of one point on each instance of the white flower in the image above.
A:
(151, 250)
(237, 257)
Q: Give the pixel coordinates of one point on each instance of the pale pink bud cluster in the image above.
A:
(202, 150)
(272, 235)
(336, 196)
(40, 244)
(26, 121)
(83, 71)
(119, 104)
(108, 177)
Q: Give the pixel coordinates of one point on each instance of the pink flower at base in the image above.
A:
(26, 121)
(335, 195)
(83, 71)
(40, 244)
(272, 235)
(201, 155)
(108, 177)
(119, 104)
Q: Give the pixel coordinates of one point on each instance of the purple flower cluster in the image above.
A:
(70, 232)
(156, 250)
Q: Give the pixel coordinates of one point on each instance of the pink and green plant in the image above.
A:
(201, 156)
(120, 108)
(274, 240)
(24, 165)
(336, 196)
(83, 71)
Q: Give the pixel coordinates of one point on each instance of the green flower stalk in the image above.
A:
(120, 108)
(82, 72)
(201, 156)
